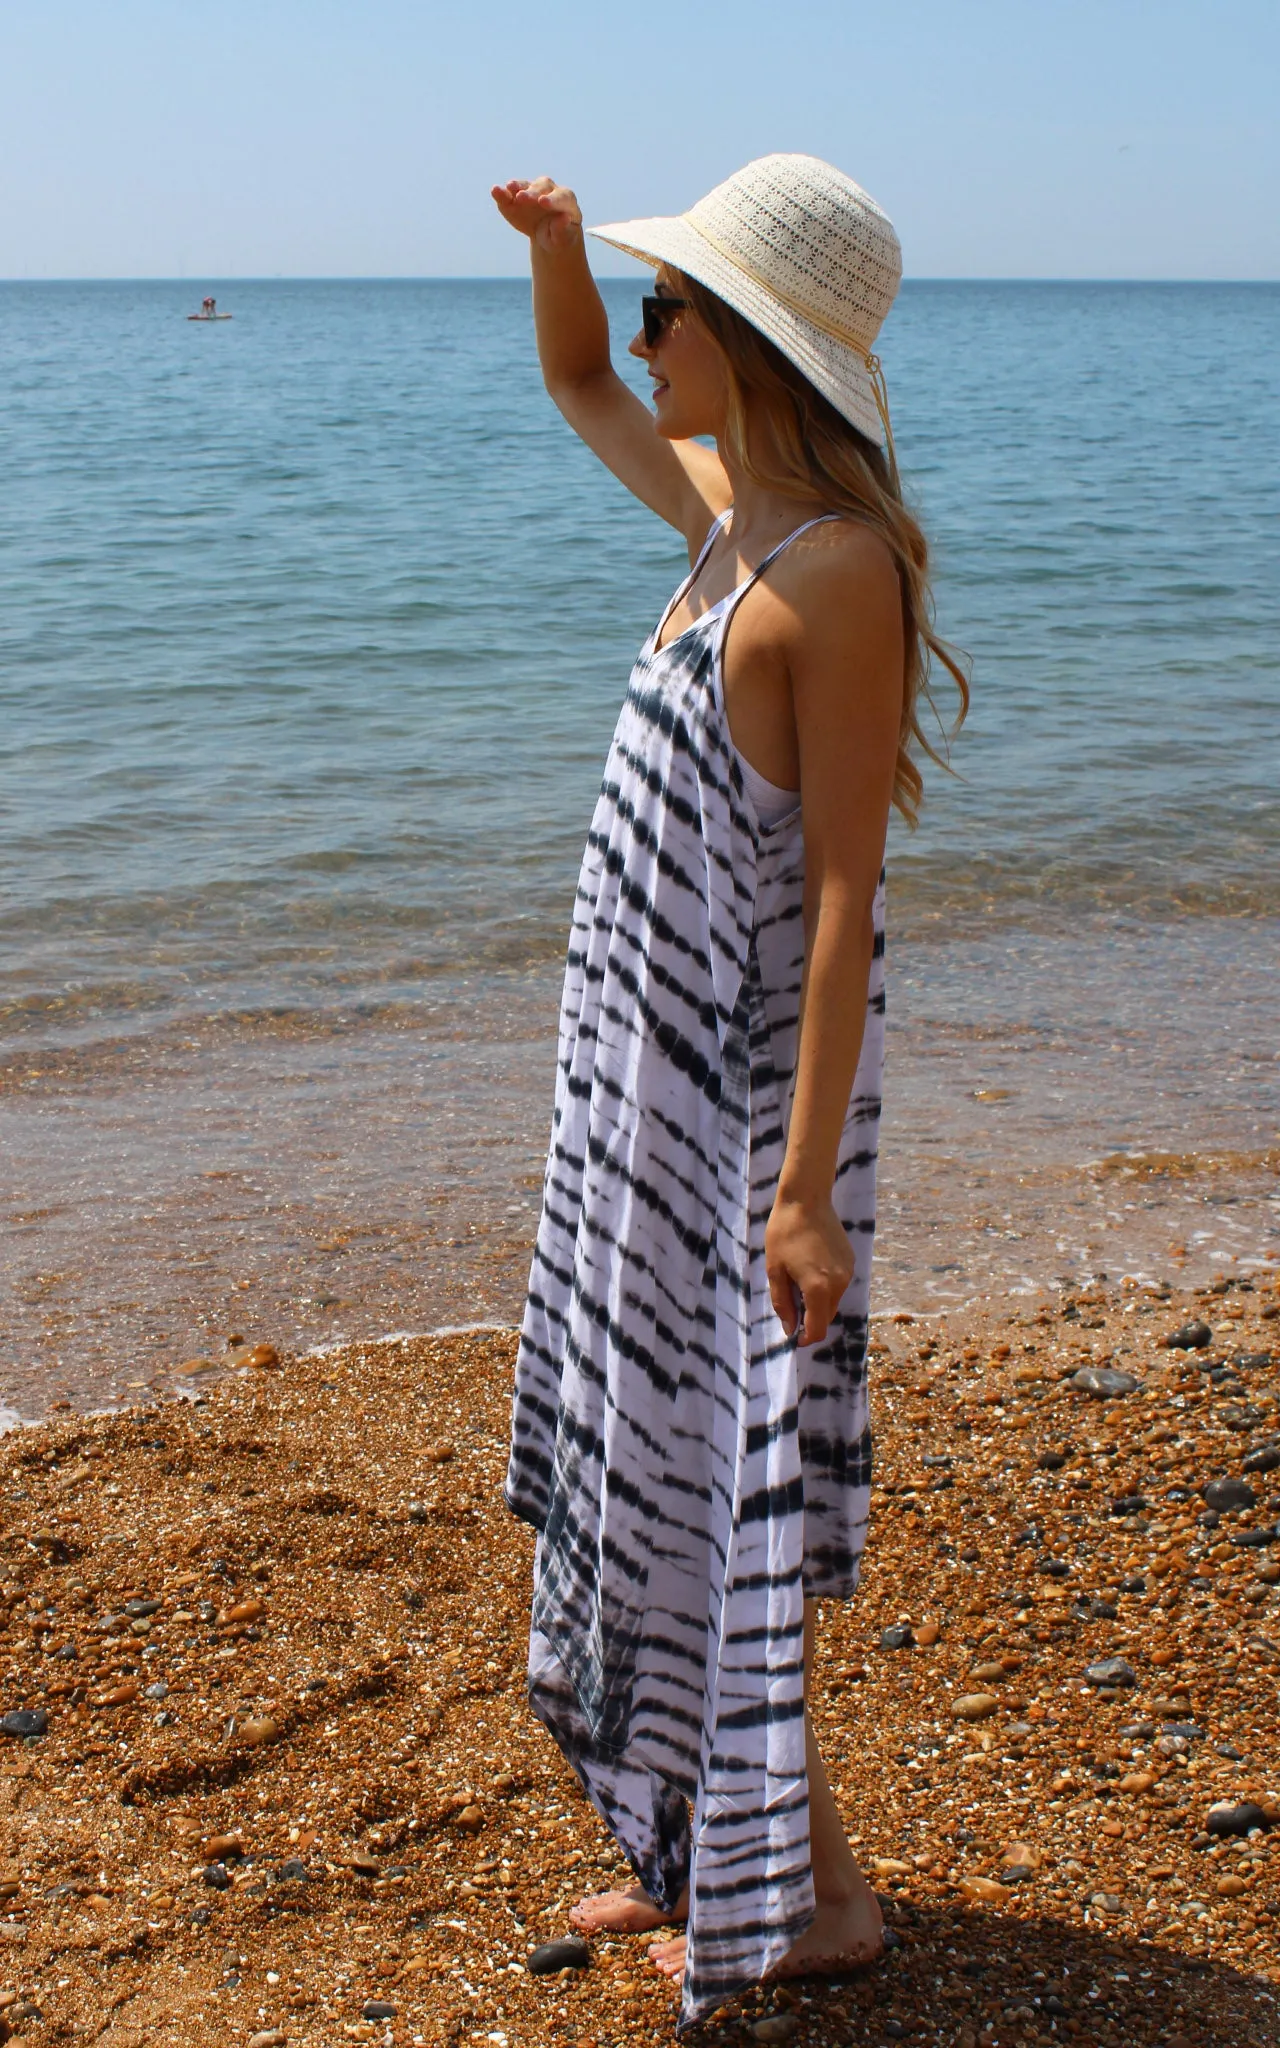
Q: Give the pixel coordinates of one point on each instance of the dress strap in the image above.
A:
(713, 531)
(716, 526)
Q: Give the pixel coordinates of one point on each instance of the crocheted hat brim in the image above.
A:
(837, 369)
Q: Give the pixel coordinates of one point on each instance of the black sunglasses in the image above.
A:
(657, 312)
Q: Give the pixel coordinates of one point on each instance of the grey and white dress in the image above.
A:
(691, 1472)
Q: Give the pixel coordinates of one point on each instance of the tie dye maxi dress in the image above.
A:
(691, 1472)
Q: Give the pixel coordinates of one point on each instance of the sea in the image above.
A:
(314, 625)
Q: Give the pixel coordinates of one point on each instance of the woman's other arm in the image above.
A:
(681, 481)
(847, 694)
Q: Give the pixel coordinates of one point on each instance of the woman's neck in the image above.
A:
(762, 516)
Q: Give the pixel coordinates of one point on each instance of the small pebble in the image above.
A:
(896, 1638)
(1175, 1709)
(120, 1695)
(217, 1877)
(986, 1889)
(1227, 1818)
(974, 1706)
(1226, 1494)
(1265, 1460)
(1104, 1382)
(24, 1722)
(243, 1611)
(270, 2037)
(779, 2026)
(1111, 1671)
(569, 1954)
(1191, 1337)
(1023, 1856)
(377, 2009)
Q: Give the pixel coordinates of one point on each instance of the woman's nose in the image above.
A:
(638, 346)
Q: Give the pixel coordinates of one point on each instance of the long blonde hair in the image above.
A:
(812, 451)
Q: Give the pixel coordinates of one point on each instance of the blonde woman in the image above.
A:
(690, 1434)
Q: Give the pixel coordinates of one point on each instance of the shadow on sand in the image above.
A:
(960, 1979)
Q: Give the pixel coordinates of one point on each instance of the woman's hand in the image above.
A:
(546, 212)
(809, 1261)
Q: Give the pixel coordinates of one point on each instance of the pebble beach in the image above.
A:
(269, 1777)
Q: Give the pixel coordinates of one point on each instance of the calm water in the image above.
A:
(313, 628)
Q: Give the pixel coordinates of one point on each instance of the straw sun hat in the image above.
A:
(803, 254)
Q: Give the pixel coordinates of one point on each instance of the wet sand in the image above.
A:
(305, 1178)
(287, 1770)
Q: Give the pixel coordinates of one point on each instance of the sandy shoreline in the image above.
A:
(339, 1639)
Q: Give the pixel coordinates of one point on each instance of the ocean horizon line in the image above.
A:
(615, 277)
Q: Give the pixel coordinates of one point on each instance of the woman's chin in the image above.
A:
(667, 420)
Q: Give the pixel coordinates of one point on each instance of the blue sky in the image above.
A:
(1007, 138)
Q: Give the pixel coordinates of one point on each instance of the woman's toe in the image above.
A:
(668, 1956)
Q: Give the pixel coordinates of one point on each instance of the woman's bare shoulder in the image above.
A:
(839, 564)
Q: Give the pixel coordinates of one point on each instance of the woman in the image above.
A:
(690, 1432)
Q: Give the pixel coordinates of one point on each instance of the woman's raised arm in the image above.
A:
(681, 481)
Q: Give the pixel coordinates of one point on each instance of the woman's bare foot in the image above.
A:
(848, 1932)
(668, 1956)
(629, 1912)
